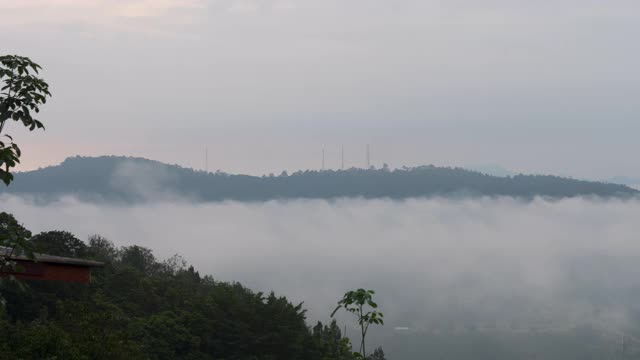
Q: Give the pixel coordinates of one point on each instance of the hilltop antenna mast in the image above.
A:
(342, 157)
(368, 156)
(206, 159)
(322, 159)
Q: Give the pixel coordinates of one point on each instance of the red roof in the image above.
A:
(49, 267)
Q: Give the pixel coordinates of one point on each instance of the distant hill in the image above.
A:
(495, 170)
(126, 179)
(625, 180)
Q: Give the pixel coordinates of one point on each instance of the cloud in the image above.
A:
(244, 6)
(434, 263)
(142, 181)
(151, 8)
(57, 11)
(99, 13)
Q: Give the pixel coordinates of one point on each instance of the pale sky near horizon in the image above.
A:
(535, 86)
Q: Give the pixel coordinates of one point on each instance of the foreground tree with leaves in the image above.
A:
(21, 96)
(360, 303)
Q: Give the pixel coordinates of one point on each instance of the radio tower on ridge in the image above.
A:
(368, 156)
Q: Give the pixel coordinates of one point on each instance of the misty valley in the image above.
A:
(319, 180)
(458, 277)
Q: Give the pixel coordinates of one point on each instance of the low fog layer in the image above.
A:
(436, 264)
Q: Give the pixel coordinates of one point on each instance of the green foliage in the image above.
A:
(9, 157)
(21, 96)
(378, 354)
(60, 243)
(138, 307)
(92, 179)
(328, 343)
(14, 236)
(102, 249)
(356, 302)
(14, 241)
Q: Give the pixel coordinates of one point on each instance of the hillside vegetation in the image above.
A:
(123, 179)
(138, 307)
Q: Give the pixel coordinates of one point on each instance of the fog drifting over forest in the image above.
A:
(435, 263)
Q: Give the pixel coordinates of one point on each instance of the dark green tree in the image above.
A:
(13, 236)
(101, 249)
(14, 241)
(328, 343)
(59, 243)
(140, 258)
(378, 354)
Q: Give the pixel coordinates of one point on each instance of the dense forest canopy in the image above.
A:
(138, 307)
(124, 179)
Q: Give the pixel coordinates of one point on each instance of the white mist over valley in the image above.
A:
(436, 264)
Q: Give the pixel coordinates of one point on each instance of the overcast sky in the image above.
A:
(535, 86)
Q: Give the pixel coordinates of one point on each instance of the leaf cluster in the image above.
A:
(9, 158)
(22, 93)
(356, 302)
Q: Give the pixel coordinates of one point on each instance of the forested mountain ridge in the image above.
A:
(127, 179)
